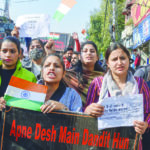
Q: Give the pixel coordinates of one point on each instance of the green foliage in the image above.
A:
(99, 28)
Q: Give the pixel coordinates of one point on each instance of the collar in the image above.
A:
(18, 65)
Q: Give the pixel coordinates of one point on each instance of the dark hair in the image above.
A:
(13, 40)
(68, 49)
(77, 53)
(97, 67)
(54, 54)
(115, 46)
(36, 39)
(89, 42)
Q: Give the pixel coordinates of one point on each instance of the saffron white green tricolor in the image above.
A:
(54, 36)
(24, 94)
(63, 9)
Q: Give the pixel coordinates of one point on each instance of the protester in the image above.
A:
(21, 57)
(74, 60)
(118, 81)
(85, 71)
(89, 58)
(11, 65)
(144, 72)
(59, 97)
(137, 59)
(36, 55)
(67, 57)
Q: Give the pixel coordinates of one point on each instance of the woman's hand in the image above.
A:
(95, 110)
(50, 47)
(2, 103)
(15, 32)
(75, 35)
(51, 105)
(140, 127)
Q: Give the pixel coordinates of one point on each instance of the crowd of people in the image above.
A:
(76, 81)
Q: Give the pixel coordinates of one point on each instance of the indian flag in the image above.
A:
(54, 36)
(63, 9)
(25, 94)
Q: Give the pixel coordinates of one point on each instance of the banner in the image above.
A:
(141, 33)
(35, 25)
(140, 10)
(30, 130)
(62, 40)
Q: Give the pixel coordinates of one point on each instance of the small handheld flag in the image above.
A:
(25, 94)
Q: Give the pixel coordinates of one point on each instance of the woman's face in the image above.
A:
(118, 62)
(89, 55)
(35, 44)
(36, 51)
(9, 54)
(52, 70)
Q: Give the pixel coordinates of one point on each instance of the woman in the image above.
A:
(10, 65)
(89, 58)
(85, 71)
(59, 97)
(118, 81)
(36, 55)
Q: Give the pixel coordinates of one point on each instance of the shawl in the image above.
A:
(80, 81)
(109, 86)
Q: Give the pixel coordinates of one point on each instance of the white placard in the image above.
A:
(35, 25)
(121, 111)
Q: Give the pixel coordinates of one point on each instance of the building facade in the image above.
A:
(136, 34)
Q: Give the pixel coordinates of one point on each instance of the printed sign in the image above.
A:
(121, 111)
(34, 26)
(31, 130)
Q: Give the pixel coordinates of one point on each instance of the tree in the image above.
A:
(101, 24)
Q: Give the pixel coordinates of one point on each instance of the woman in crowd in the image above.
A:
(118, 81)
(89, 58)
(36, 55)
(85, 71)
(10, 65)
(59, 97)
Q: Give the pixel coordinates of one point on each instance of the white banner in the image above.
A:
(121, 111)
(36, 25)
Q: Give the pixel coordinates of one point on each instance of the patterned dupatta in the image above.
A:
(81, 82)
